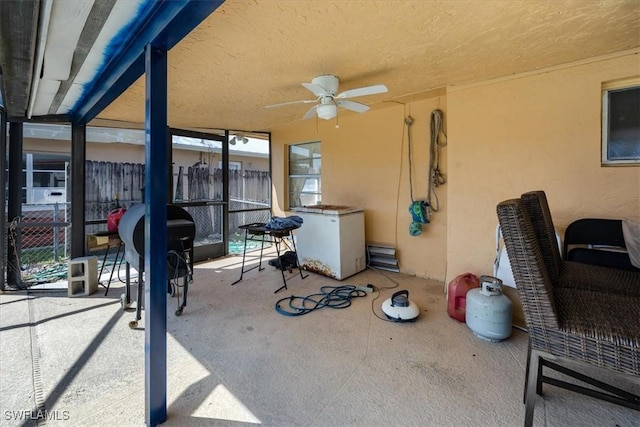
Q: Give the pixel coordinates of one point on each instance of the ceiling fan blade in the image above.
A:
(353, 106)
(361, 91)
(306, 101)
(317, 90)
(310, 113)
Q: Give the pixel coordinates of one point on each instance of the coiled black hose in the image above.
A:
(329, 296)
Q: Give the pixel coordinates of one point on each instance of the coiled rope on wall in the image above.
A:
(436, 178)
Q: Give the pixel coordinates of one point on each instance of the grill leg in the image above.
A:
(104, 260)
(139, 305)
(140, 290)
(115, 265)
(134, 323)
(184, 293)
(127, 287)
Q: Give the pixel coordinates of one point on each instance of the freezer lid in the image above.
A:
(327, 209)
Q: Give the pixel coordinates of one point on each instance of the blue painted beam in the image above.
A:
(163, 26)
(155, 236)
(78, 181)
(3, 191)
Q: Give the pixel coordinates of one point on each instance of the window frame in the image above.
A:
(33, 171)
(607, 89)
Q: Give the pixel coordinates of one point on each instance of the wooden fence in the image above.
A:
(108, 182)
(109, 185)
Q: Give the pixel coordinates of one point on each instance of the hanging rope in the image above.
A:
(409, 121)
(436, 178)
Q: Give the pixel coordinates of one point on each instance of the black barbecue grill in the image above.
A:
(181, 231)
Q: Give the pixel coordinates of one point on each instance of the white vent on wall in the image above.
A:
(382, 257)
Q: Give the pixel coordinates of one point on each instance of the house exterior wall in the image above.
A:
(535, 132)
(131, 153)
(539, 131)
(135, 154)
(365, 164)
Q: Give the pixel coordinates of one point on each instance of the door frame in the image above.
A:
(217, 249)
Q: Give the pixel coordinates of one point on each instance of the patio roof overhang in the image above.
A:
(67, 61)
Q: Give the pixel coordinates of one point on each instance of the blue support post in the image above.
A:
(14, 203)
(155, 240)
(3, 194)
(78, 158)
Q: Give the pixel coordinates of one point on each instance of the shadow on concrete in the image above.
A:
(82, 360)
(48, 319)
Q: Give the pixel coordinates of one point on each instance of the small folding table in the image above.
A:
(259, 232)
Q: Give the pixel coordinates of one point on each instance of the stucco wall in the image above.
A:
(527, 132)
(534, 132)
(365, 164)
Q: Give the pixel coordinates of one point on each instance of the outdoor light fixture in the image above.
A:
(238, 138)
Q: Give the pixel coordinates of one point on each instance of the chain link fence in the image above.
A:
(40, 241)
(42, 236)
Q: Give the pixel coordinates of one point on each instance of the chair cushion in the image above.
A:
(599, 315)
(575, 275)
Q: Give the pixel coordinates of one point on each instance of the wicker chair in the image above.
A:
(579, 324)
(568, 274)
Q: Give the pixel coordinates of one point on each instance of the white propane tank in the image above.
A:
(489, 311)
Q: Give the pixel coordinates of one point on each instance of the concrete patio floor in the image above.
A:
(234, 361)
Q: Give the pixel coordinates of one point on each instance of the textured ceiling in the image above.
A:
(250, 54)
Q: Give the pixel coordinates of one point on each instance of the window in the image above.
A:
(305, 161)
(45, 178)
(621, 122)
(233, 166)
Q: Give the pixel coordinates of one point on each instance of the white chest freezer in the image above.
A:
(331, 240)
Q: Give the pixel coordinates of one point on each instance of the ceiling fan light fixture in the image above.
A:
(327, 111)
(328, 100)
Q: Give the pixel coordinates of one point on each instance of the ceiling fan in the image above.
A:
(325, 87)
